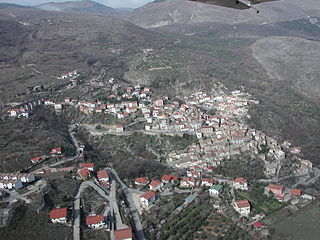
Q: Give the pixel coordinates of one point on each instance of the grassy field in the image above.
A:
(259, 201)
(302, 225)
(215, 227)
(186, 224)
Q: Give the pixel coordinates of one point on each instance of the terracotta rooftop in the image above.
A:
(242, 203)
(121, 234)
(58, 213)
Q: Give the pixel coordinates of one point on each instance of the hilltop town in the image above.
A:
(199, 179)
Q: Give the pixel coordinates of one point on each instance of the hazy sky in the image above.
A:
(110, 3)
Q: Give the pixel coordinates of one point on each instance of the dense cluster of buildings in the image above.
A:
(120, 106)
(221, 136)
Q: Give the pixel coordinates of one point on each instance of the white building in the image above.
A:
(95, 221)
(215, 190)
(240, 183)
(155, 185)
(147, 199)
(242, 207)
(59, 215)
(11, 184)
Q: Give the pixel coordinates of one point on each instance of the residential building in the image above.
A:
(24, 177)
(155, 185)
(56, 151)
(103, 176)
(35, 160)
(276, 189)
(123, 234)
(147, 198)
(95, 221)
(142, 181)
(194, 174)
(257, 225)
(168, 178)
(84, 173)
(295, 192)
(89, 166)
(59, 215)
(207, 182)
(207, 130)
(11, 184)
(240, 183)
(242, 207)
(184, 183)
(215, 190)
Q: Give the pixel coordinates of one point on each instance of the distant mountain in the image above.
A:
(57, 42)
(123, 10)
(8, 5)
(164, 13)
(82, 6)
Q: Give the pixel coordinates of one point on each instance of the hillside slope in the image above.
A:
(82, 6)
(56, 42)
(293, 60)
(165, 13)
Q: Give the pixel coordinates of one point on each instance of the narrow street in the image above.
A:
(133, 210)
(77, 210)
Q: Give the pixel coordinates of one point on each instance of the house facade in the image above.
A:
(242, 207)
(155, 185)
(240, 183)
(147, 198)
(142, 181)
(95, 221)
(215, 190)
(123, 234)
(103, 176)
(59, 215)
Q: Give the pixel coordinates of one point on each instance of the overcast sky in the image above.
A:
(110, 3)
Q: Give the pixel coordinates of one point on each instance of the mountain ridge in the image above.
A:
(164, 13)
(81, 6)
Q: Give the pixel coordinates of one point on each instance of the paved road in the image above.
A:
(77, 210)
(14, 196)
(114, 206)
(94, 132)
(76, 144)
(307, 180)
(133, 210)
(74, 140)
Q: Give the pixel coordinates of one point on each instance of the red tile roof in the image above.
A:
(141, 180)
(275, 187)
(36, 159)
(102, 174)
(294, 192)
(168, 177)
(148, 195)
(87, 165)
(83, 172)
(257, 225)
(240, 180)
(58, 213)
(56, 149)
(94, 219)
(123, 234)
(242, 203)
(155, 183)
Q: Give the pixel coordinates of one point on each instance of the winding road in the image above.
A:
(77, 210)
(133, 210)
